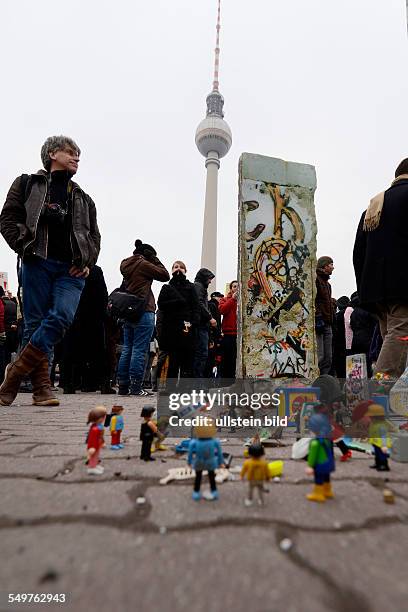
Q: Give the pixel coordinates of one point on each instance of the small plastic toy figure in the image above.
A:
(378, 431)
(95, 440)
(256, 470)
(320, 458)
(204, 453)
(148, 431)
(161, 424)
(116, 427)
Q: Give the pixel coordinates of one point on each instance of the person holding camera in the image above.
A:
(50, 222)
(139, 271)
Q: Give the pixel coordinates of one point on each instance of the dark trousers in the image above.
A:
(146, 451)
(211, 478)
(321, 478)
(200, 352)
(342, 446)
(380, 457)
(229, 356)
(181, 358)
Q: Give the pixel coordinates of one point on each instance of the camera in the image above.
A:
(54, 213)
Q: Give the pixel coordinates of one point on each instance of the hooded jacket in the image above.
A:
(139, 273)
(19, 221)
(201, 286)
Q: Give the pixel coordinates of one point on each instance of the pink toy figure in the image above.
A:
(95, 439)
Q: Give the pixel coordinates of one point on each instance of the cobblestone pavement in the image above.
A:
(63, 531)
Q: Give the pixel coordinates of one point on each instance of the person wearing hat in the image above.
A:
(324, 313)
(139, 271)
(205, 453)
(201, 283)
(378, 436)
(379, 256)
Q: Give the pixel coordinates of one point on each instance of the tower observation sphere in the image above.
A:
(214, 133)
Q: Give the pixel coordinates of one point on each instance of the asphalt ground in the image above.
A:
(123, 542)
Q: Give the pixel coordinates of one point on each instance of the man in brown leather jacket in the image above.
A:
(51, 223)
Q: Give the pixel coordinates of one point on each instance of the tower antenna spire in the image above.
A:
(217, 51)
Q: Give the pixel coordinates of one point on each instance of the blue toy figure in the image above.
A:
(205, 453)
(320, 458)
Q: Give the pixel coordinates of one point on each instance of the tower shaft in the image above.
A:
(209, 244)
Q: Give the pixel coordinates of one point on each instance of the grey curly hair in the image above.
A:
(56, 143)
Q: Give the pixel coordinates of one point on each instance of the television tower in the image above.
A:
(213, 139)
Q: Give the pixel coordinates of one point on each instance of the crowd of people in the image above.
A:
(374, 319)
(51, 223)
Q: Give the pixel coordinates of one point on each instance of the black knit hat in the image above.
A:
(142, 248)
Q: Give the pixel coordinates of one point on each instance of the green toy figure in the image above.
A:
(320, 458)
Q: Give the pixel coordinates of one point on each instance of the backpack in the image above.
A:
(125, 306)
(25, 186)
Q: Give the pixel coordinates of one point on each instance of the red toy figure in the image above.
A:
(95, 439)
(116, 427)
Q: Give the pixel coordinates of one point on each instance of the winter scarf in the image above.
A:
(373, 213)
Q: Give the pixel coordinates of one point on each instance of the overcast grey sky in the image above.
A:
(315, 81)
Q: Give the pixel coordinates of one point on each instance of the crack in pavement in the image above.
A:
(339, 596)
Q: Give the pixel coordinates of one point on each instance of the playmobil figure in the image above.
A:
(148, 431)
(95, 439)
(116, 427)
(162, 424)
(378, 431)
(320, 458)
(204, 453)
(256, 471)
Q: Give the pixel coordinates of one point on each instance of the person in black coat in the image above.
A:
(201, 283)
(379, 259)
(85, 362)
(179, 318)
(339, 352)
(363, 325)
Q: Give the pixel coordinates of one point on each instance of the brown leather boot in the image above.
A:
(25, 363)
(42, 393)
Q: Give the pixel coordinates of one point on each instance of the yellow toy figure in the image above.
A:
(256, 471)
(378, 436)
(116, 427)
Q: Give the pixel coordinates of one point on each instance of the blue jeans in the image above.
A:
(200, 351)
(50, 301)
(136, 339)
